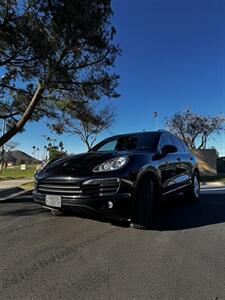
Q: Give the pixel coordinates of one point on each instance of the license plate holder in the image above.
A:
(53, 200)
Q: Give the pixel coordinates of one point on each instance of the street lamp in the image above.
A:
(156, 117)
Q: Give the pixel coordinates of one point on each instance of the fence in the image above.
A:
(207, 161)
(221, 165)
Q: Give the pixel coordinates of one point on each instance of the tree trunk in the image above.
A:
(88, 145)
(25, 117)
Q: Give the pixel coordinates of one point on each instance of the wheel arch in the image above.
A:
(196, 170)
(154, 177)
(156, 183)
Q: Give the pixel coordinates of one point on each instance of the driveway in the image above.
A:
(72, 257)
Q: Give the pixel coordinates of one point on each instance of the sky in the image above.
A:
(173, 58)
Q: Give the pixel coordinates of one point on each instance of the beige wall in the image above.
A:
(207, 161)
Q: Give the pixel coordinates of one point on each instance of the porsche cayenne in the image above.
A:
(124, 176)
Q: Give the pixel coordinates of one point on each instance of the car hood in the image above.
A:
(78, 165)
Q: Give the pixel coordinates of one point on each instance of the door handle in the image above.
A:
(191, 158)
(178, 158)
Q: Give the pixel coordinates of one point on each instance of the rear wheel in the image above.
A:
(144, 204)
(193, 193)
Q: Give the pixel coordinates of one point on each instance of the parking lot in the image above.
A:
(73, 257)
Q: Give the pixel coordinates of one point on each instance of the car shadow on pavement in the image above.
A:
(20, 206)
(178, 214)
(26, 211)
(93, 215)
(16, 200)
(175, 213)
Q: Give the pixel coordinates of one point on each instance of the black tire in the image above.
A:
(144, 204)
(57, 212)
(193, 193)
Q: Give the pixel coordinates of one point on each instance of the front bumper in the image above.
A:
(98, 195)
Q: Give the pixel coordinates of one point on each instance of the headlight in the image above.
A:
(112, 164)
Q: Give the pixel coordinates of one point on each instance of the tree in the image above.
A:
(38, 153)
(195, 129)
(52, 50)
(34, 151)
(7, 148)
(55, 151)
(87, 122)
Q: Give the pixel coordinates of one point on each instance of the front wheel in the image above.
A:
(144, 204)
(194, 192)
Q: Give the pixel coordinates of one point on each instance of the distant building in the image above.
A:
(17, 157)
(207, 161)
(221, 165)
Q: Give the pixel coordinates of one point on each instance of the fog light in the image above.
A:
(110, 204)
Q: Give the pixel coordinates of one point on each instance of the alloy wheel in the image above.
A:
(196, 187)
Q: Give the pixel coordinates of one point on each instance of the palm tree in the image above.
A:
(45, 153)
(34, 149)
(38, 153)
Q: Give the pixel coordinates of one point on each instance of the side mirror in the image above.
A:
(168, 149)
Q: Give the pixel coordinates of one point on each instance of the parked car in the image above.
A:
(124, 176)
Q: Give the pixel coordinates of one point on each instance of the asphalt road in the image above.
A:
(71, 257)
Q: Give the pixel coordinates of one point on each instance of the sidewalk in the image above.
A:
(12, 183)
(11, 188)
(213, 184)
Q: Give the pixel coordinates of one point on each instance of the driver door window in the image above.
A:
(167, 165)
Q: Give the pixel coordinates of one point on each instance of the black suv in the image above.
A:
(124, 176)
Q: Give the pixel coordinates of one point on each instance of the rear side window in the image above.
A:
(185, 147)
(165, 140)
(177, 142)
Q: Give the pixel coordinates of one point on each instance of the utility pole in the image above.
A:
(156, 117)
(2, 153)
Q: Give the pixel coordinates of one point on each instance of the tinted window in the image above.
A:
(185, 147)
(141, 141)
(165, 140)
(110, 146)
(178, 144)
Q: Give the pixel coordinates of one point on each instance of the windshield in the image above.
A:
(139, 141)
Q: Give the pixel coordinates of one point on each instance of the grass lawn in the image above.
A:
(15, 173)
(28, 186)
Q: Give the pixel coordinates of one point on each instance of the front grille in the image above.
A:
(59, 188)
(92, 187)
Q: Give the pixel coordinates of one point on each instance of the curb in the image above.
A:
(14, 195)
(213, 189)
(213, 184)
